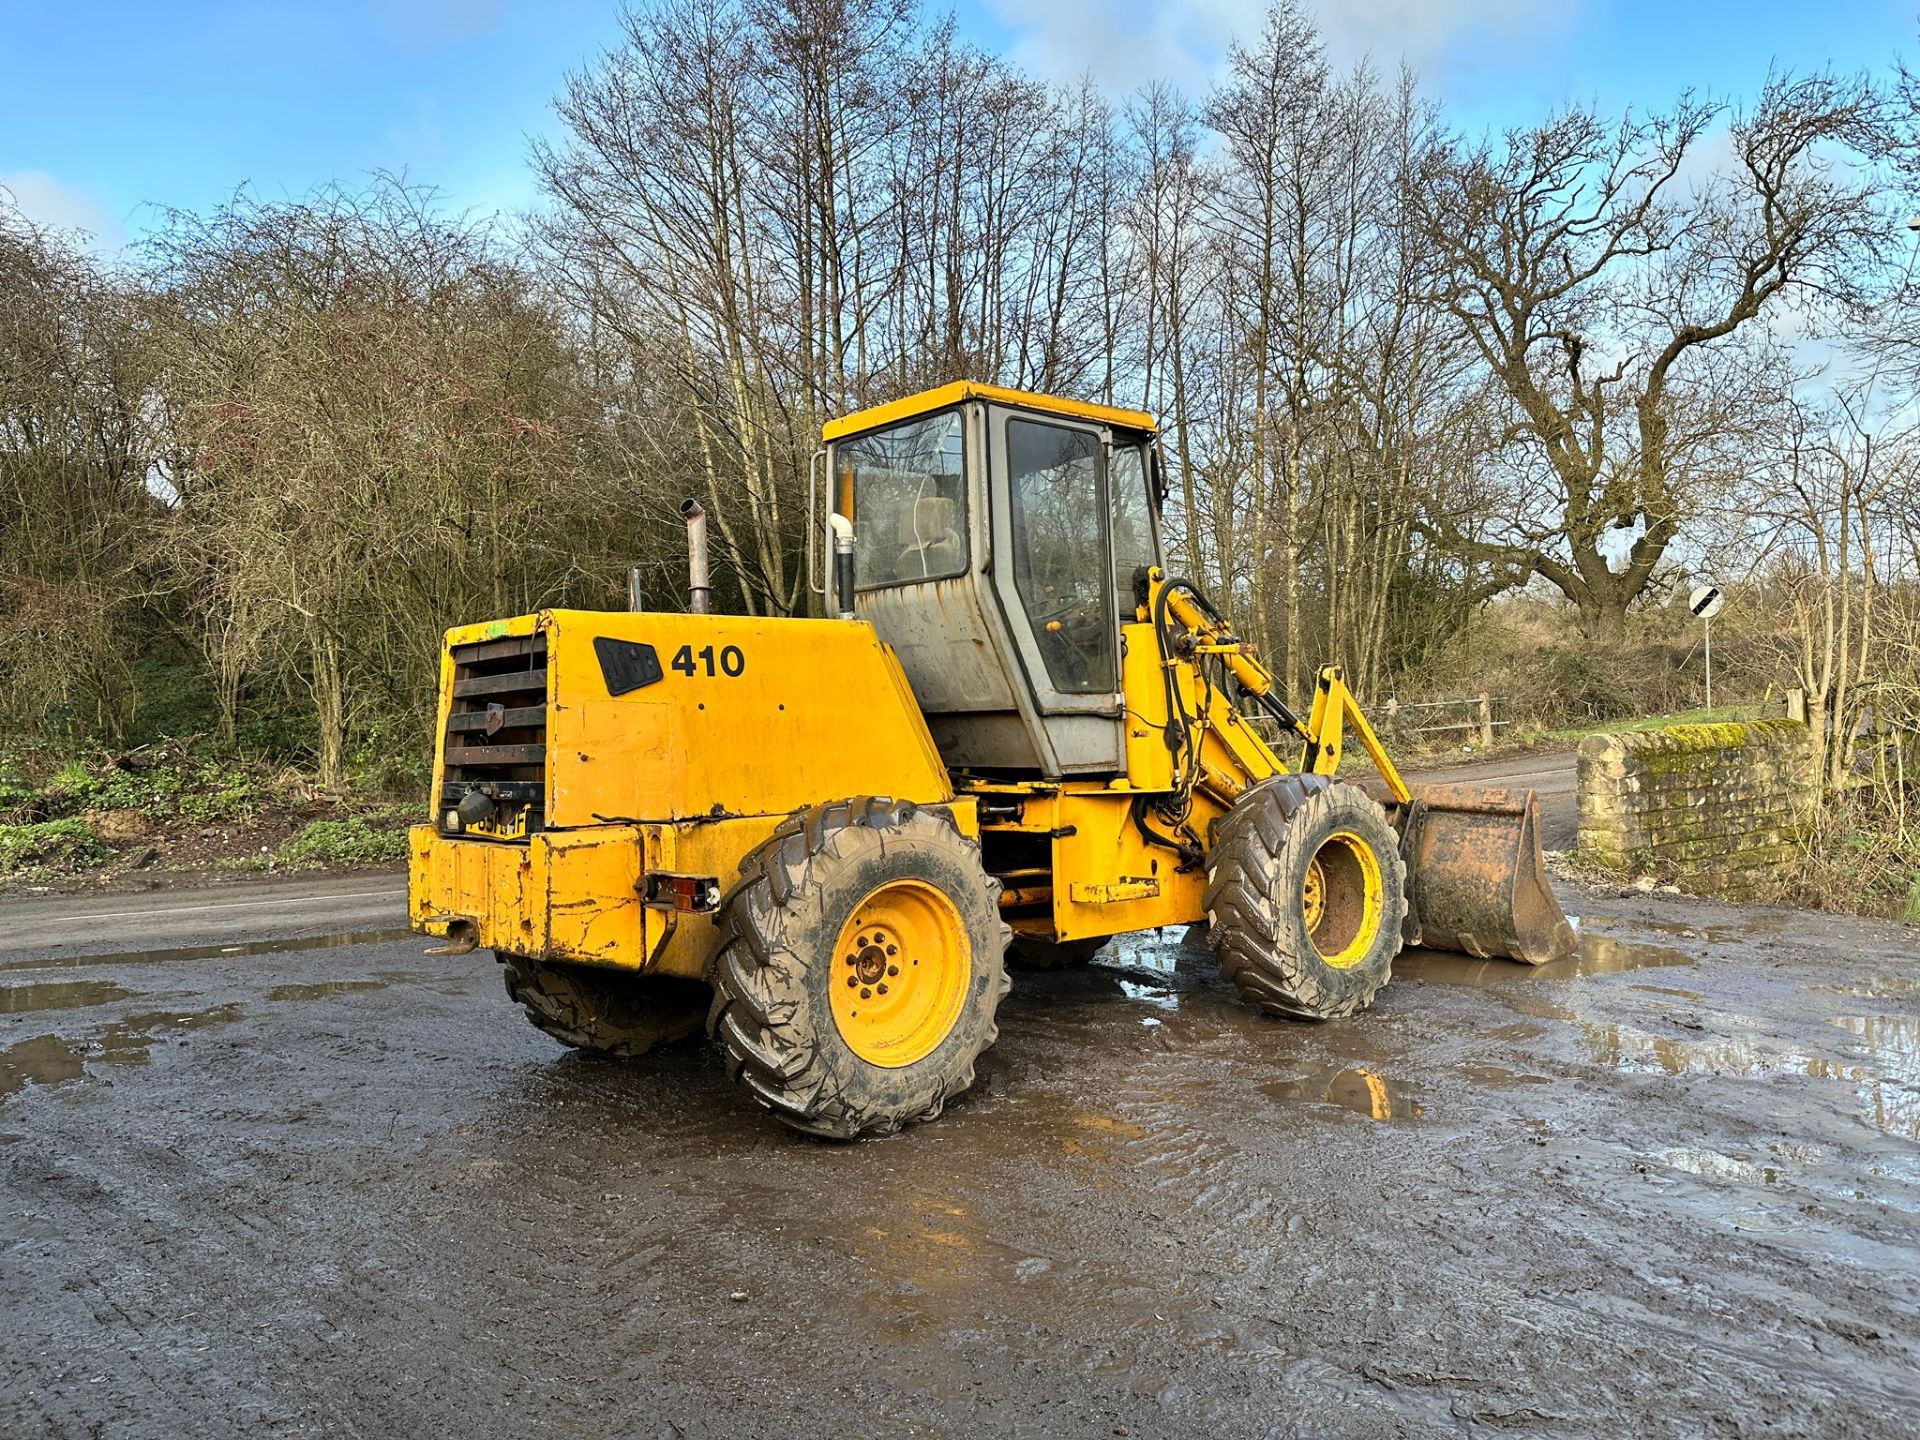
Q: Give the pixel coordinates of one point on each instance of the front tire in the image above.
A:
(862, 970)
(1306, 895)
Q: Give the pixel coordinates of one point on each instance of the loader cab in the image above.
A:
(996, 536)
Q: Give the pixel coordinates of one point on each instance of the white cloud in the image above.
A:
(50, 202)
(1125, 43)
(430, 24)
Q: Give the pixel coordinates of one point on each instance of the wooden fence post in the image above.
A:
(1392, 714)
(1486, 722)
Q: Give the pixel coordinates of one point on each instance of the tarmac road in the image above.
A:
(302, 1187)
(1550, 774)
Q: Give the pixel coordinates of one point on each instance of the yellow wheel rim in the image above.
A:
(900, 973)
(1342, 899)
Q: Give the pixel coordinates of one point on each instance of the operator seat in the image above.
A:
(929, 540)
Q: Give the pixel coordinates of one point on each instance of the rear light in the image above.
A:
(689, 894)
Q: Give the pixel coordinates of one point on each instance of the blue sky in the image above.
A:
(113, 109)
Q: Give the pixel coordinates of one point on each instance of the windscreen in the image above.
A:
(909, 490)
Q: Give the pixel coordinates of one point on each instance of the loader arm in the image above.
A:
(1333, 707)
(1476, 875)
(1322, 735)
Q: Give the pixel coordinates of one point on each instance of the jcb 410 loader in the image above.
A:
(826, 838)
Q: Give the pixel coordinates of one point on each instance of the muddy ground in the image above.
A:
(1670, 1189)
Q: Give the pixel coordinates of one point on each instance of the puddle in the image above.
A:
(1495, 1077)
(62, 995)
(324, 991)
(1892, 1043)
(130, 1041)
(214, 952)
(1159, 996)
(1884, 988)
(1596, 955)
(1693, 996)
(1148, 950)
(1109, 1125)
(43, 1060)
(1712, 1165)
(51, 1060)
(1354, 1088)
(1885, 1077)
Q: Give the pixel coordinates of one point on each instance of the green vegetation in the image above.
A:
(1718, 715)
(185, 805)
(51, 847)
(343, 842)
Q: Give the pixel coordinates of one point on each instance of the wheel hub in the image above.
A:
(1342, 899)
(901, 971)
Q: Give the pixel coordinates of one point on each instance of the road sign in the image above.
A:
(1706, 600)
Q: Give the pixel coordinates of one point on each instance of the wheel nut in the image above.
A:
(893, 969)
(865, 994)
(893, 949)
(882, 987)
(851, 982)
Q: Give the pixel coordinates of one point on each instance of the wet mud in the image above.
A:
(1668, 1186)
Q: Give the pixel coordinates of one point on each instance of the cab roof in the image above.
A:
(942, 396)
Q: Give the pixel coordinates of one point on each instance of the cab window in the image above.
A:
(908, 484)
(1132, 522)
(1061, 565)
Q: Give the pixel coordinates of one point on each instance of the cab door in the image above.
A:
(1053, 579)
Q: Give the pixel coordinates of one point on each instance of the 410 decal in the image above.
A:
(729, 660)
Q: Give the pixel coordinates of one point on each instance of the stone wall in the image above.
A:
(1717, 805)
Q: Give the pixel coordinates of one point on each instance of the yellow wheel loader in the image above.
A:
(1014, 737)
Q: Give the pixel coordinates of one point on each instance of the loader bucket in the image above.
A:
(1475, 878)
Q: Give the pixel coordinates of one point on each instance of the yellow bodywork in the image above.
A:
(686, 775)
(680, 777)
(928, 401)
(654, 783)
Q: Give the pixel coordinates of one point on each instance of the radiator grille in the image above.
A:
(497, 733)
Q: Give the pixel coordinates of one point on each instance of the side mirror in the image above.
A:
(1158, 483)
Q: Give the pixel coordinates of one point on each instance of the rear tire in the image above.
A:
(607, 1012)
(1027, 953)
(1306, 895)
(860, 898)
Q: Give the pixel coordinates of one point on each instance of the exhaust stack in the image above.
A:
(842, 564)
(699, 592)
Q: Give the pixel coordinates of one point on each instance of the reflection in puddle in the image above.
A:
(1888, 1086)
(1884, 988)
(1354, 1088)
(1712, 1165)
(214, 952)
(1109, 1125)
(1596, 955)
(1693, 996)
(326, 990)
(1146, 950)
(1892, 1042)
(70, 995)
(1494, 1077)
(1159, 996)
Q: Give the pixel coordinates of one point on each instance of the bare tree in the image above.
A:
(1595, 286)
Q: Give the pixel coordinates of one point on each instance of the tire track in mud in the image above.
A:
(398, 1211)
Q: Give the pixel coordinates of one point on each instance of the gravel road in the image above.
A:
(300, 1187)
